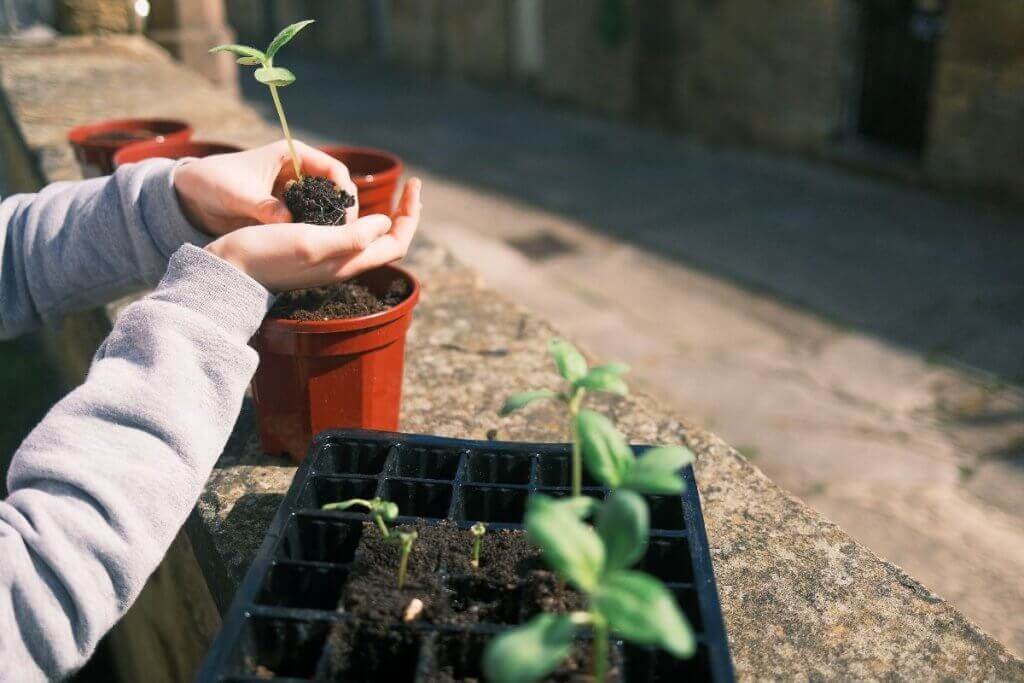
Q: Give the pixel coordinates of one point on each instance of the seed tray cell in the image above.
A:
(285, 625)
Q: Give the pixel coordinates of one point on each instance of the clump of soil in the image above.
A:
(318, 201)
(341, 300)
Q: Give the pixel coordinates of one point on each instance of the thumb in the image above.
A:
(360, 234)
(272, 210)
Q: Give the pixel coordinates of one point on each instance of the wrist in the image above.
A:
(184, 192)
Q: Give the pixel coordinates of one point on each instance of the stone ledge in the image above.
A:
(801, 598)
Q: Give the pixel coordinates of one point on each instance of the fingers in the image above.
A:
(272, 210)
(395, 244)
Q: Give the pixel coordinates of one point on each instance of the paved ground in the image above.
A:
(860, 341)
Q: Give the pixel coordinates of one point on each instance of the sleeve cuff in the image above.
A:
(212, 287)
(162, 211)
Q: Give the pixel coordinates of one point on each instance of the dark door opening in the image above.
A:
(899, 39)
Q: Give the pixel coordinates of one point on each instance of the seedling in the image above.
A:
(381, 511)
(478, 530)
(405, 539)
(595, 441)
(633, 605)
(273, 77)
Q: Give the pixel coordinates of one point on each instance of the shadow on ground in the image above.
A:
(940, 277)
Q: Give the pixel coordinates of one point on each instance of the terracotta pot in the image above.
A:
(96, 143)
(318, 375)
(173, 149)
(375, 174)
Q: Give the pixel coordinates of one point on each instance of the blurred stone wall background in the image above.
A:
(782, 74)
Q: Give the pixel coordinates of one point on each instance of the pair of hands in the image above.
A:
(237, 196)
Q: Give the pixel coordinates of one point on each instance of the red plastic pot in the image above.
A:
(375, 173)
(96, 143)
(173, 149)
(342, 373)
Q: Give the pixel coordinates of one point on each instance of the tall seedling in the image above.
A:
(273, 77)
(595, 440)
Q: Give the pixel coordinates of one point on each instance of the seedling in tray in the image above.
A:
(478, 530)
(631, 604)
(405, 539)
(595, 440)
(381, 511)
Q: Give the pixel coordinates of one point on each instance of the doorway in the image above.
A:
(899, 43)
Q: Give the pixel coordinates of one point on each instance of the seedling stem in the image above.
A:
(478, 530)
(601, 644)
(406, 539)
(381, 511)
(287, 131)
(577, 456)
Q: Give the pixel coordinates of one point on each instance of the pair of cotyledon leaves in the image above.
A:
(596, 560)
(268, 74)
(606, 454)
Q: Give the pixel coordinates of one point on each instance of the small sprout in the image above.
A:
(596, 560)
(406, 539)
(382, 511)
(273, 77)
(478, 530)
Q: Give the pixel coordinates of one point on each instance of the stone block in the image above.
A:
(476, 38)
(95, 16)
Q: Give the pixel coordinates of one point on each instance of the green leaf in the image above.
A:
(657, 470)
(641, 610)
(616, 368)
(249, 61)
(570, 362)
(570, 547)
(243, 52)
(602, 380)
(624, 525)
(605, 452)
(388, 510)
(274, 75)
(581, 507)
(517, 401)
(286, 34)
(530, 652)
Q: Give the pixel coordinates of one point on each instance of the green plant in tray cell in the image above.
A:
(478, 530)
(597, 561)
(380, 510)
(595, 440)
(273, 77)
(405, 539)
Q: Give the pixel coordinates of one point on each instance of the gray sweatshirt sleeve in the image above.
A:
(100, 488)
(76, 245)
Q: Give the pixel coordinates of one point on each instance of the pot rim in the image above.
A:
(279, 325)
(79, 135)
(163, 143)
(388, 175)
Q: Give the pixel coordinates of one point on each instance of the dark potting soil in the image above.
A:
(318, 201)
(123, 136)
(342, 300)
(510, 586)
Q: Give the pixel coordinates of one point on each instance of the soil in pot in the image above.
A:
(318, 201)
(118, 136)
(349, 299)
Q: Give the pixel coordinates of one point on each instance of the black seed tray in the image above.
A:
(284, 611)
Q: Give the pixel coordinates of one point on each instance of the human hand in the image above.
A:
(296, 255)
(225, 192)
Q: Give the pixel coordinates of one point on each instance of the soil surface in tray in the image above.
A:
(510, 586)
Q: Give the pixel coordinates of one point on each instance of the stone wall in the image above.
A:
(95, 16)
(760, 72)
(977, 125)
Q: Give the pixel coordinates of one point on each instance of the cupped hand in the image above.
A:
(225, 192)
(295, 255)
